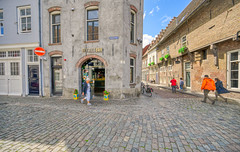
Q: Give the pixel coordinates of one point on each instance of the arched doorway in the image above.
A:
(93, 67)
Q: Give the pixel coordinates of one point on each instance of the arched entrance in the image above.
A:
(93, 67)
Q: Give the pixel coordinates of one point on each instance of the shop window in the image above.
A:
(2, 68)
(1, 23)
(32, 57)
(14, 68)
(132, 32)
(25, 19)
(132, 70)
(184, 41)
(234, 70)
(204, 54)
(55, 27)
(13, 53)
(92, 25)
(3, 54)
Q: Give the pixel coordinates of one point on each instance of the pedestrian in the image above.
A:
(86, 92)
(220, 89)
(181, 83)
(174, 85)
(207, 86)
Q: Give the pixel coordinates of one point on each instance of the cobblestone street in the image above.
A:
(143, 124)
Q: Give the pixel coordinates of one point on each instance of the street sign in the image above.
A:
(39, 51)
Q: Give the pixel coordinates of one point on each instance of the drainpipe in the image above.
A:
(40, 44)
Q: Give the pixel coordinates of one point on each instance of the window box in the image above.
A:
(182, 50)
(152, 63)
(161, 59)
(149, 64)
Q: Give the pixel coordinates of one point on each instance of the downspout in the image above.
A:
(40, 45)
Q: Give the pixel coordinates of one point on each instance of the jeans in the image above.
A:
(181, 87)
(174, 89)
(206, 92)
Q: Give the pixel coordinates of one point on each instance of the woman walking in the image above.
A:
(87, 92)
(220, 90)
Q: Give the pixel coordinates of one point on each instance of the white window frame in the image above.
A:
(18, 68)
(170, 68)
(6, 55)
(33, 56)
(19, 54)
(162, 52)
(4, 68)
(1, 23)
(89, 9)
(168, 50)
(26, 16)
(184, 42)
(134, 70)
(229, 70)
(51, 25)
(134, 26)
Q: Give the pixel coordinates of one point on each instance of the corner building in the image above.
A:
(101, 40)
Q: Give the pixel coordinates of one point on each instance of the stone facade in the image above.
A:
(113, 41)
(208, 29)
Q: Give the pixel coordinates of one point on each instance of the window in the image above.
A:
(92, 25)
(132, 32)
(153, 58)
(13, 53)
(32, 57)
(14, 68)
(56, 27)
(167, 49)
(1, 23)
(25, 19)
(204, 54)
(2, 69)
(132, 70)
(184, 40)
(235, 70)
(3, 54)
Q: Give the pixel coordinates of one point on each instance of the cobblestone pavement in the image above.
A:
(142, 124)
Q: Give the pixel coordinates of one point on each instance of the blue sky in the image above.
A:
(157, 14)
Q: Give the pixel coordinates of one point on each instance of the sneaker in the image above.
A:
(203, 101)
(213, 102)
(81, 100)
(89, 104)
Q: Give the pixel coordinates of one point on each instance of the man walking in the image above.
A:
(86, 92)
(207, 86)
(174, 85)
(181, 83)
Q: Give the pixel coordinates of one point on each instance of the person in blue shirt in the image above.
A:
(220, 90)
(181, 83)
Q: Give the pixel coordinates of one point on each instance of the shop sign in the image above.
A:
(92, 50)
(113, 38)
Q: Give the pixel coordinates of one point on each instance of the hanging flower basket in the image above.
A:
(75, 94)
(161, 59)
(182, 50)
(152, 63)
(166, 56)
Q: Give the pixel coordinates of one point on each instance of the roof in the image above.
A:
(144, 50)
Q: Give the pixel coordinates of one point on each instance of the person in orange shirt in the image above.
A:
(207, 86)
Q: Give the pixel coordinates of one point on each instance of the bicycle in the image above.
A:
(146, 89)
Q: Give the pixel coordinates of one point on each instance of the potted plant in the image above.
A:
(75, 94)
(161, 59)
(106, 95)
(167, 56)
(152, 63)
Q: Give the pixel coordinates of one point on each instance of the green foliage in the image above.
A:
(182, 50)
(106, 92)
(75, 91)
(166, 56)
(149, 64)
(152, 63)
(161, 58)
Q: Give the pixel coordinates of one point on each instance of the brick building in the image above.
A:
(203, 39)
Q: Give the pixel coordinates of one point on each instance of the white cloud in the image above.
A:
(165, 19)
(147, 39)
(157, 7)
(144, 15)
(151, 12)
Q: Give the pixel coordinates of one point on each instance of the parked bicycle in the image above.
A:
(146, 89)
